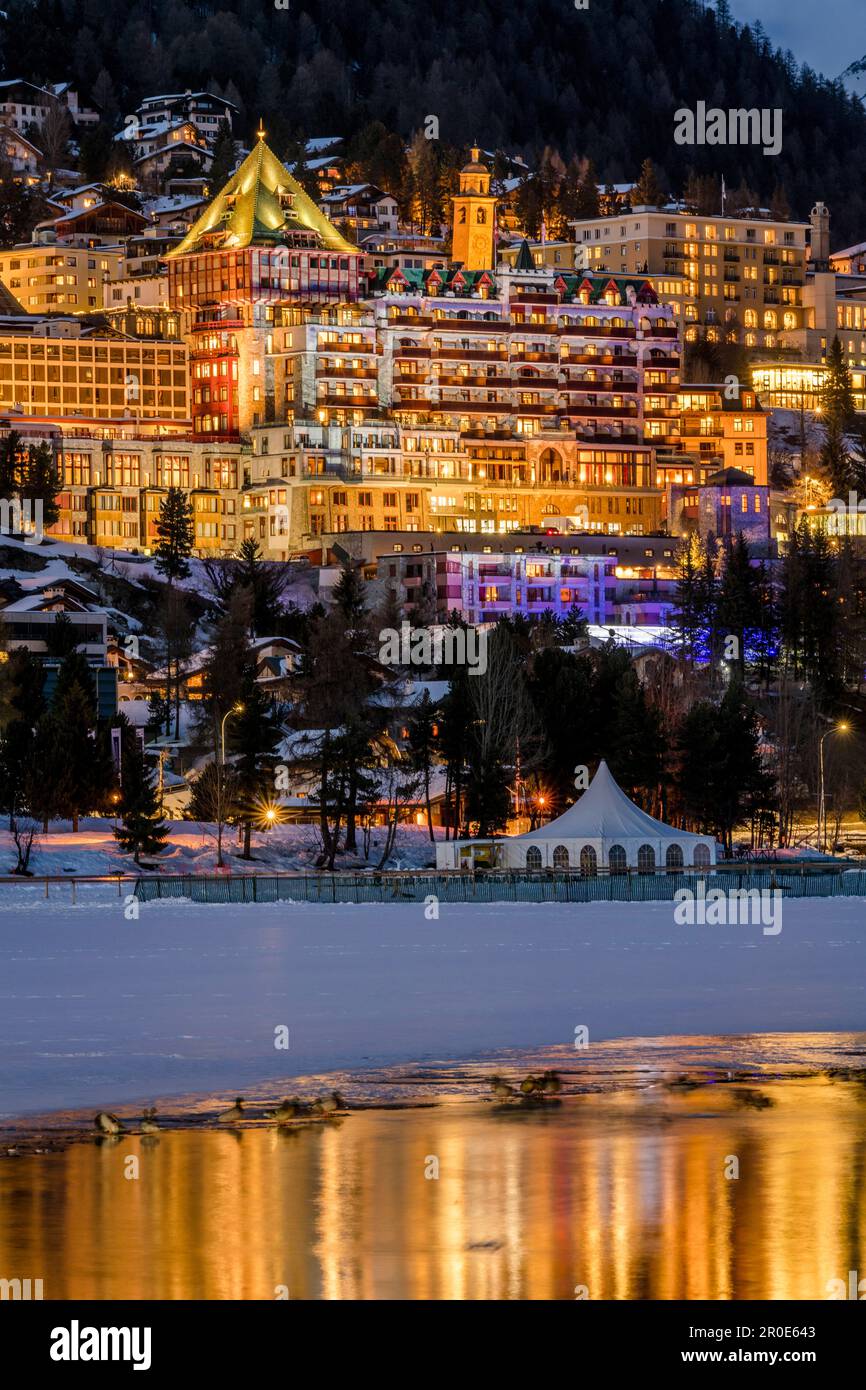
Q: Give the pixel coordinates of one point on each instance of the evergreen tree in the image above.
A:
(837, 403)
(224, 157)
(255, 733)
(349, 596)
(587, 201)
(739, 603)
(647, 192)
(176, 532)
(142, 829)
(422, 742)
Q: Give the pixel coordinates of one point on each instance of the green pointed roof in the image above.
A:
(261, 205)
(524, 257)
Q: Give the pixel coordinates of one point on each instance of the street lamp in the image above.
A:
(237, 708)
(841, 728)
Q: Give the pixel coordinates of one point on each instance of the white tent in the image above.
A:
(602, 830)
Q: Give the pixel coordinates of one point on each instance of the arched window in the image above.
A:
(771, 318)
(588, 861)
(560, 857)
(646, 859)
(462, 217)
(702, 856)
(533, 857)
(674, 857)
(481, 217)
(551, 466)
(617, 859)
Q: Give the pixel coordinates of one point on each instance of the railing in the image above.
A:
(790, 879)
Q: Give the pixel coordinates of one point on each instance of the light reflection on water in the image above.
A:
(623, 1192)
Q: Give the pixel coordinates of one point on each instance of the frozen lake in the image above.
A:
(96, 1009)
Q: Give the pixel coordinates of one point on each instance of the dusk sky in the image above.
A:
(828, 46)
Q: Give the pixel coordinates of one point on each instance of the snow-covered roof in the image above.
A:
(323, 142)
(605, 812)
(849, 251)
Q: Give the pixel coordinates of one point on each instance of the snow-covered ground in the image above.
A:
(96, 1009)
(192, 849)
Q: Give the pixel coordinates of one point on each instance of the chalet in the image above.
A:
(24, 157)
(203, 109)
(361, 206)
(22, 104)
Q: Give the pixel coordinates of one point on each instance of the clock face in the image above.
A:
(479, 249)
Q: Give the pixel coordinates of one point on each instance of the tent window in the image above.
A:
(702, 856)
(560, 857)
(533, 857)
(617, 859)
(674, 857)
(588, 861)
(646, 859)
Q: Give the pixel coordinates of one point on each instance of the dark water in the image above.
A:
(618, 1192)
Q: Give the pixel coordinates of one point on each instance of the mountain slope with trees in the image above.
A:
(535, 73)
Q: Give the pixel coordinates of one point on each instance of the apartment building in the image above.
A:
(51, 377)
(744, 275)
(54, 278)
(622, 581)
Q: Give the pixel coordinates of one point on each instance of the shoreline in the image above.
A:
(621, 1066)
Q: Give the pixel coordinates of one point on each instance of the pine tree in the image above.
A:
(224, 157)
(39, 484)
(255, 732)
(176, 533)
(739, 602)
(422, 742)
(142, 829)
(837, 406)
(647, 192)
(587, 201)
(349, 596)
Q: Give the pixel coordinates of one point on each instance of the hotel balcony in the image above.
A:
(601, 359)
(602, 331)
(615, 412)
(602, 388)
(471, 354)
(348, 402)
(364, 349)
(411, 320)
(341, 373)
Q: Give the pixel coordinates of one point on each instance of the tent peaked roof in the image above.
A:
(261, 205)
(604, 812)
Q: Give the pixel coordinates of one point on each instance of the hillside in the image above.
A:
(603, 82)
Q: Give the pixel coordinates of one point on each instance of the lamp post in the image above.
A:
(237, 708)
(841, 728)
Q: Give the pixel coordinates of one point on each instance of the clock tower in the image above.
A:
(472, 240)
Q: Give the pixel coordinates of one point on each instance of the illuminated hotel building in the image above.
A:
(744, 275)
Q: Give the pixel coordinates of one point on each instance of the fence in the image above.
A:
(792, 880)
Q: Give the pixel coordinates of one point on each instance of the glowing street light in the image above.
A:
(841, 728)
